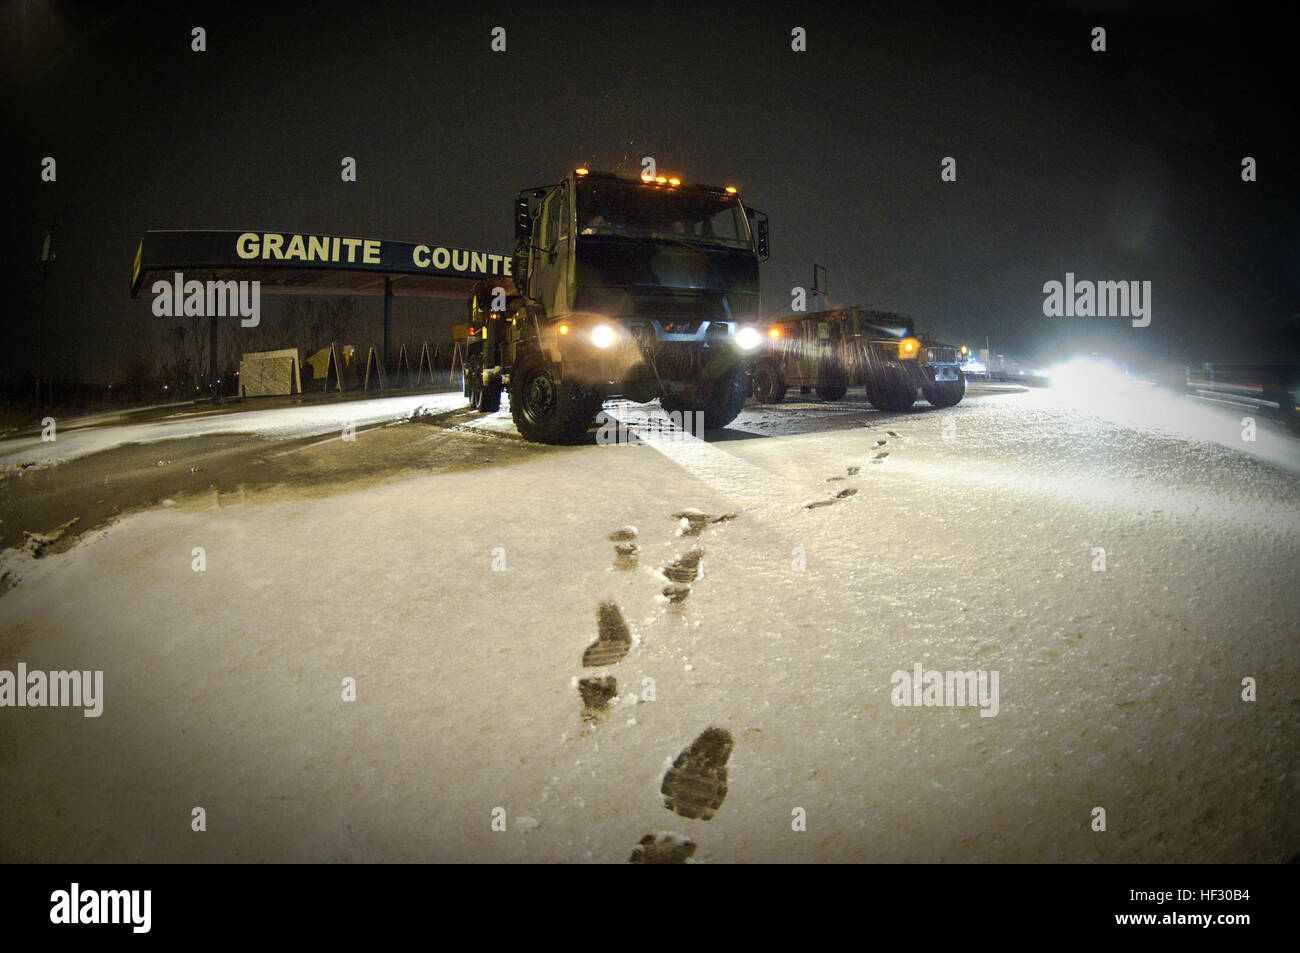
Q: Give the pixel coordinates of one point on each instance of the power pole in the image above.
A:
(47, 256)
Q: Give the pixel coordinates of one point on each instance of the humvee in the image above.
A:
(831, 351)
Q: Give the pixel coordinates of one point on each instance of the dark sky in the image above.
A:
(1122, 165)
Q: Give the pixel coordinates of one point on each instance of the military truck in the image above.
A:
(630, 287)
(831, 351)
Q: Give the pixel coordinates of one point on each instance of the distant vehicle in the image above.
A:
(831, 351)
(975, 368)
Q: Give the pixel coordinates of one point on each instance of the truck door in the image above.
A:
(551, 267)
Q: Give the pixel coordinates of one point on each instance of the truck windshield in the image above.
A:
(640, 211)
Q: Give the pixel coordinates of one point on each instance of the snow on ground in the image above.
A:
(1118, 689)
(281, 422)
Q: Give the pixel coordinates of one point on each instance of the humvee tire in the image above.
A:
(768, 386)
(547, 409)
(725, 401)
(945, 393)
(891, 389)
(831, 391)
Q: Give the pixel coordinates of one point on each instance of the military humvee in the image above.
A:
(831, 351)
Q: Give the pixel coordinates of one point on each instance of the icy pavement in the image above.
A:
(465, 604)
(281, 423)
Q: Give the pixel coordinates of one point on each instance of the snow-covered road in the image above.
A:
(462, 604)
(87, 435)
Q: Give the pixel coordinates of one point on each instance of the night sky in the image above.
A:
(1120, 165)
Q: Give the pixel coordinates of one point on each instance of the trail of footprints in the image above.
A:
(695, 786)
(877, 457)
(696, 783)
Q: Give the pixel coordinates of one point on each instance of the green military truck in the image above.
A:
(642, 288)
(831, 351)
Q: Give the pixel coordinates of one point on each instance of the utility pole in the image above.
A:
(47, 256)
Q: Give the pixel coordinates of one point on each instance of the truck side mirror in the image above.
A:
(523, 222)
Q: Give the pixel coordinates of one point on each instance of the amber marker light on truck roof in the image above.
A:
(731, 190)
(580, 171)
(674, 181)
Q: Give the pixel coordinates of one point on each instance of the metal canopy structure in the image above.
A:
(307, 264)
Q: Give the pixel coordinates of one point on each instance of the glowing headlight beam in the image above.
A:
(748, 338)
(602, 335)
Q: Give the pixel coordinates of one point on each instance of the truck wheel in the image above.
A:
(945, 393)
(489, 399)
(891, 390)
(725, 401)
(831, 391)
(768, 386)
(547, 409)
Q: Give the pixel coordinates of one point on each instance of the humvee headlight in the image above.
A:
(602, 335)
(748, 338)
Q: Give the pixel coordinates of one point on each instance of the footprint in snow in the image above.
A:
(613, 642)
(665, 849)
(841, 495)
(625, 550)
(694, 521)
(696, 784)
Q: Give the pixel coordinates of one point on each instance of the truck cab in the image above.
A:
(640, 288)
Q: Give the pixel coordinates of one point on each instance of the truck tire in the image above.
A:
(725, 401)
(831, 391)
(945, 393)
(547, 409)
(891, 389)
(769, 388)
(489, 399)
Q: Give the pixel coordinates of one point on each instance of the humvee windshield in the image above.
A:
(638, 211)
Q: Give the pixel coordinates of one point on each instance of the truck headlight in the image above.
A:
(602, 335)
(748, 338)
